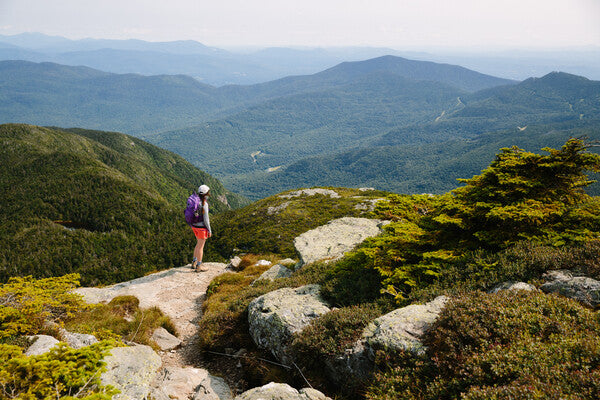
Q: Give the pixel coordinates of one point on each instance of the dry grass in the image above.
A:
(121, 317)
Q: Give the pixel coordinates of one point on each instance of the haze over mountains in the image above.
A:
(218, 67)
(356, 124)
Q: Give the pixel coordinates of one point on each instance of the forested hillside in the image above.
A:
(105, 205)
(288, 128)
(53, 94)
(411, 168)
(428, 157)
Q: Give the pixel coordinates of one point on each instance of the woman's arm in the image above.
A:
(206, 219)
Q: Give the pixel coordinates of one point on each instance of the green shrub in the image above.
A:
(61, 373)
(26, 303)
(525, 262)
(521, 196)
(332, 333)
(502, 346)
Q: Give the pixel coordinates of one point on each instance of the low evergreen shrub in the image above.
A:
(525, 345)
(26, 305)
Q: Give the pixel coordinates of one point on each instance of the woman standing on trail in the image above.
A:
(196, 215)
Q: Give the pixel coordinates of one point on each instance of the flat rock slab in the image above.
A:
(131, 370)
(402, 329)
(333, 240)
(281, 391)
(164, 339)
(573, 285)
(274, 317)
(177, 292)
(185, 383)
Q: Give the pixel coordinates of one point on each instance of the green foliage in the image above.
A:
(523, 262)
(507, 345)
(105, 205)
(63, 373)
(521, 196)
(26, 303)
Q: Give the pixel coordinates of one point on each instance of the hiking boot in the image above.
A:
(199, 267)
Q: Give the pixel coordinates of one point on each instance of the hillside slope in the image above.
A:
(105, 205)
(410, 168)
(53, 94)
(429, 156)
(285, 129)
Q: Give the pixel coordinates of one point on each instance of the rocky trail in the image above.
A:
(179, 293)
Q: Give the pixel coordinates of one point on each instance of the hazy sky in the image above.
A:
(393, 23)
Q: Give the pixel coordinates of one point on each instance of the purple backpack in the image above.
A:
(192, 213)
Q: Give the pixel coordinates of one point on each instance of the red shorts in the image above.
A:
(201, 233)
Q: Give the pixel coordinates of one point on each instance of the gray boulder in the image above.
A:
(183, 383)
(164, 339)
(234, 263)
(287, 262)
(402, 329)
(573, 285)
(131, 370)
(331, 241)
(213, 388)
(274, 317)
(42, 344)
(275, 272)
(77, 340)
(281, 391)
(510, 285)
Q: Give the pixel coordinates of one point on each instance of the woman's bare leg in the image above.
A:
(199, 250)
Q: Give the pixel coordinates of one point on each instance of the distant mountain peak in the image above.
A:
(454, 75)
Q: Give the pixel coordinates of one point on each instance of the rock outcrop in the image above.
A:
(175, 291)
(402, 329)
(331, 241)
(311, 192)
(281, 391)
(42, 344)
(573, 285)
(274, 317)
(275, 272)
(510, 285)
(131, 370)
(185, 383)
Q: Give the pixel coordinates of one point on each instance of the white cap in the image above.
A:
(203, 189)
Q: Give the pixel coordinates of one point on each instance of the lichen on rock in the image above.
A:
(274, 317)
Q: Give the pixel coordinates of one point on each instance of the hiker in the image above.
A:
(196, 215)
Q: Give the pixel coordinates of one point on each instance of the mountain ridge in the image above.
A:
(103, 204)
